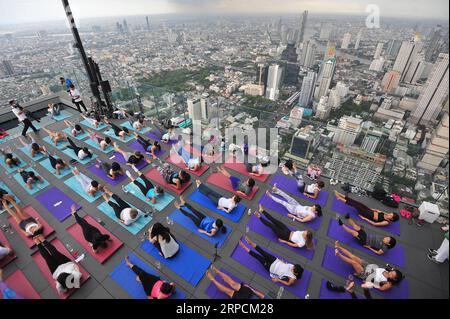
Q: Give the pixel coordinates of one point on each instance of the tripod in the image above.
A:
(216, 255)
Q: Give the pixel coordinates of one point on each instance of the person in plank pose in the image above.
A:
(103, 143)
(120, 132)
(75, 129)
(10, 160)
(30, 178)
(57, 163)
(34, 147)
(80, 152)
(113, 170)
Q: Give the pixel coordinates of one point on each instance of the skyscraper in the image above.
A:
(393, 48)
(325, 31)
(407, 53)
(326, 78)
(390, 81)
(303, 21)
(347, 131)
(414, 68)
(358, 39)
(435, 93)
(125, 26)
(378, 51)
(306, 94)
(308, 54)
(274, 82)
(346, 40)
(262, 75)
(194, 109)
(148, 23)
(204, 103)
(371, 141)
(291, 68)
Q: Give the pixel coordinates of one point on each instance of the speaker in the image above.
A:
(106, 87)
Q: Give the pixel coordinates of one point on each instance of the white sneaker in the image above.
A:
(135, 169)
(128, 174)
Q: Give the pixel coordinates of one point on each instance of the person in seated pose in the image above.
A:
(377, 244)
(53, 109)
(193, 164)
(280, 271)
(373, 276)
(176, 179)
(154, 287)
(123, 211)
(374, 217)
(121, 132)
(150, 192)
(296, 239)
(302, 214)
(206, 225)
(289, 168)
(57, 164)
(313, 172)
(103, 143)
(243, 189)
(55, 136)
(75, 129)
(87, 185)
(30, 226)
(63, 270)
(80, 152)
(164, 241)
(232, 289)
(113, 171)
(91, 234)
(5, 291)
(35, 148)
(10, 160)
(30, 178)
(222, 203)
(149, 146)
(132, 159)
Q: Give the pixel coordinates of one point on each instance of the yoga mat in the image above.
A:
(187, 223)
(179, 162)
(111, 134)
(95, 145)
(223, 182)
(13, 169)
(214, 293)
(62, 116)
(268, 203)
(299, 289)
(103, 254)
(27, 151)
(42, 265)
(161, 203)
(395, 256)
(80, 136)
(155, 176)
(73, 184)
(332, 295)
(61, 144)
(117, 157)
(48, 230)
(336, 265)
(126, 278)
(241, 168)
(235, 215)
(208, 158)
(342, 208)
(258, 227)
(21, 286)
(289, 185)
(138, 147)
(10, 258)
(72, 155)
(57, 203)
(128, 125)
(99, 172)
(37, 187)
(89, 124)
(157, 135)
(48, 166)
(188, 264)
(134, 228)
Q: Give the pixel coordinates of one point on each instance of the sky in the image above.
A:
(24, 11)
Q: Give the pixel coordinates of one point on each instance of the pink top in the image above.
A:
(157, 290)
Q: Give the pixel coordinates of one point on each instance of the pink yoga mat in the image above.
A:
(209, 159)
(156, 177)
(48, 230)
(102, 254)
(5, 261)
(42, 265)
(178, 162)
(20, 284)
(242, 169)
(223, 182)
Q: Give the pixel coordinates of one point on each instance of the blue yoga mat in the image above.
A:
(134, 228)
(61, 144)
(201, 199)
(79, 137)
(111, 134)
(95, 145)
(14, 168)
(69, 152)
(188, 264)
(48, 166)
(73, 184)
(89, 124)
(37, 187)
(126, 278)
(6, 188)
(161, 203)
(62, 116)
(184, 221)
(27, 151)
(131, 128)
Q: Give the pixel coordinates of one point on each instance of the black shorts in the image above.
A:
(244, 293)
(362, 237)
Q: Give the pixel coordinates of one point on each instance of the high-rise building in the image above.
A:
(262, 74)
(308, 54)
(407, 53)
(436, 44)
(358, 39)
(7, 68)
(334, 99)
(346, 40)
(303, 22)
(194, 109)
(348, 130)
(435, 93)
(275, 76)
(377, 65)
(437, 149)
(326, 78)
(325, 31)
(330, 51)
(296, 116)
(125, 26)
(306, 94)
(393, 48)
(371, 141)
(119, 28)
(148, 23)
(291, 68)
(390, 81)
(414, 69)
(342, 89)
(303, 142)
(323, 108)
(378, 51)
(204, 103)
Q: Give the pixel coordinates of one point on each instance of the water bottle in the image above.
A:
(247, 230)
(280, 292)
(250, 212)
(307, 296)
(69, 248)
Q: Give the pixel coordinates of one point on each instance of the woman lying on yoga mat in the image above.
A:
(256, 170)
(280, 271)
(154, 287)
(302, 214)
(377, 244)
(121, 132)
(63, 270)
(150, 192)
(55, 136)
(123, 211)
(113, 170)
(296, 239)
(193, 164)
(149, 146)
(164, 241)
(139, 124)
(30, 226)
(57, 164)
(222, 203)
(103, 143)
(10, 160)
(91, 234)
(30, 178)
(75, 129)
(95, 122)
(88, 185)
(80, 153)
(206, 225)
(232, 289)
(177, 179)
(373, 276)
(132, 159)
(374, 217)
(35, 148)
(243, 189)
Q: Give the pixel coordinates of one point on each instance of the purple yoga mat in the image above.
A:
(258, 227)
(339, 267)
(395, 256)
(328, 294)
(57, 203)
(117, 157)
(156, 135)
(268, 203)
(299, 289)
(289, 185)
(214, 293)
(102, 174)
(138, 147)
(342, 208)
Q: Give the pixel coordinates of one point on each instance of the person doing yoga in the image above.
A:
(90, 233)
(30, 226)
(57, 163)
(150, 147)
(95, 122)
(10, 160)
(154, 287)
(206, 225)
(89, 186)
(296, 239)
(138, 124)
(123, 211)
(373, 276)
(55, 136)
(280, 271)
(75, 129)
(34, 147)
(103, 143)
(132, 159)
(64, 271)
(30, 178)
(243, 189)
(176, 179)
(164, 241)
(374, 217)
(4, 195)
(302, 214)
(222, 203)
(113, 170)
(256, 170)
(121, 132)
(377, 244)
(231, 288)
(53, 109)
(151, 193)
(80, 152)
(311, 191)
(192, 164)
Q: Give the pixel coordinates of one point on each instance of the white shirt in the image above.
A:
(137, 125)
(297, 238)
(280, 269)
(68, 268)
(103, 144)
(75, 94)
(82, 155)
(19, 114)
(379, 277)
(227, 203)
(304, 211)
(4, 252)
(311, 189)
(126, 217)
(28, 228)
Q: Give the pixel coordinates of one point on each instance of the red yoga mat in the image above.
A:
(242, 169)
(178, 162)
(223, 182)
(20, 284)
(102, 254)
(5, 261)
(48, 230)
(156, 177)
(42, 265)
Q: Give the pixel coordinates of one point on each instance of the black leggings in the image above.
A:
(117, 130)
(208, 192)
(280, 229)
(195, 216)
(360, 207)
(120, 206)
(90, 233)
(78, 104)
(52, 256)
(263, 257)
(144, 143)
(26, 125)
(73, 146)
(144, 188)
(25, 176)
(148, 281)
(53, 161)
